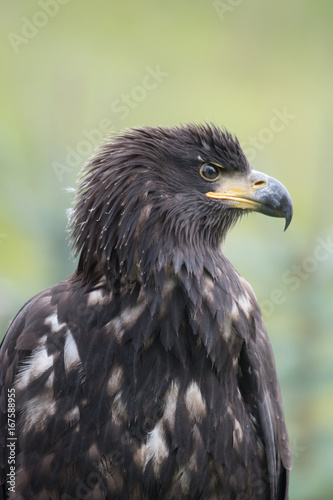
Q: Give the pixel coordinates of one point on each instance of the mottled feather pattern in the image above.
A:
(147, 374)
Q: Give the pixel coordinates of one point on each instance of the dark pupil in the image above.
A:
(210, 172)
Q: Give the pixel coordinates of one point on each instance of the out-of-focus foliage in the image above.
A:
(72, 71)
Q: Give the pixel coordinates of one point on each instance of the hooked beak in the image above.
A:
(257, 192)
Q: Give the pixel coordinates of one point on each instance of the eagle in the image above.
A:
(148, 373)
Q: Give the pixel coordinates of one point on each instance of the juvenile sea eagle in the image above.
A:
(148, 373)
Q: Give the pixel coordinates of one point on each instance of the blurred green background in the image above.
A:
(74, 71)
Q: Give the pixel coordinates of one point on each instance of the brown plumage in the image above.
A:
(148, 373)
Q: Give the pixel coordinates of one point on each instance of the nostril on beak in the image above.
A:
(259, 184)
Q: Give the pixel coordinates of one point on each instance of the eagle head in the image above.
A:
(153, 192)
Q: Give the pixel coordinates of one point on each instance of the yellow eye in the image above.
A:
(210, 172)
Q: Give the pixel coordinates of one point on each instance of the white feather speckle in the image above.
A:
(156, 448)
(71, 354)
(125, 320)
(33, 367)
(245, 303)
(38, 411)
(171, 405)
(72, 416)
(237, 433)
(54, 324)
(195, 403)
(115, 380)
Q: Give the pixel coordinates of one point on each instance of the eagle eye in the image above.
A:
(210, 172)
